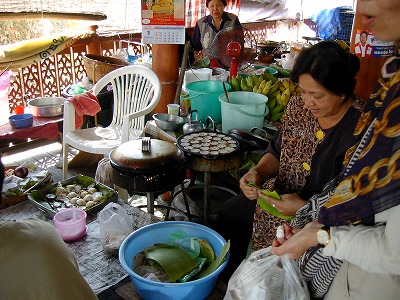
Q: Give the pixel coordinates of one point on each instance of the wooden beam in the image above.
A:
(34, 15)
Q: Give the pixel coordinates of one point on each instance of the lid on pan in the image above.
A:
(209, 144)
(138, 156)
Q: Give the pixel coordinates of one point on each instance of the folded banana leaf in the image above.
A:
(268, 207)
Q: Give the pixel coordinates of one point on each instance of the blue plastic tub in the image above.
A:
(155, 233)
(21, 121)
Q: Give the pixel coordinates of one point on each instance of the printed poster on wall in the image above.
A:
(366, 45)
(163, 21)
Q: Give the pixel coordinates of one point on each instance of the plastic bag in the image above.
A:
(179, 203)
(115, 225)
(267, 276)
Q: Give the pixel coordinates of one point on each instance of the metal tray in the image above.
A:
(38, 197)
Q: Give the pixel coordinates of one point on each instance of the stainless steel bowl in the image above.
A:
(47, 106)
(168, 121)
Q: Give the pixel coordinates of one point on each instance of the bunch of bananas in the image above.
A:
(277, 91)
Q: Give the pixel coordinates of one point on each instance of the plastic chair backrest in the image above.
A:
(135, 89)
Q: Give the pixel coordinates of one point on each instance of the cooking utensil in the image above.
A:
(47, 107)
(193, 125)
(251, 139)
(168, 121)
(6, 69)
(226, 92)
(208, 143)
(157, 170)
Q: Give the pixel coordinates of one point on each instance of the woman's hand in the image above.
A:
(297, 241)
(249, 191)
(266, 168)
(288, 205)
(198, 56)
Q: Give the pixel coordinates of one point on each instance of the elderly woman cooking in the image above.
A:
(207, 28)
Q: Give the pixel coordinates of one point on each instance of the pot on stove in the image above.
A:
(153, 166)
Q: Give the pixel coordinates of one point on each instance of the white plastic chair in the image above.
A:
(136, 90)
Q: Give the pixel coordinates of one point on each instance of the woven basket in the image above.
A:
(97, 65)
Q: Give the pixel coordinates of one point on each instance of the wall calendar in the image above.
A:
(163, 21)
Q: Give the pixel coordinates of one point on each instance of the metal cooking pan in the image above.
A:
(208, 144)
(251, 139)
(47, 106)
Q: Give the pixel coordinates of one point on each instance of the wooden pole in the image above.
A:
(370, 68)
(182, 72)
(165, 63)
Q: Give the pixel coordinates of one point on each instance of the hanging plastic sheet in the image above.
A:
(32, 51)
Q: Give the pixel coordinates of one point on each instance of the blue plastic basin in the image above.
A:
(21, 120)
(157, 233)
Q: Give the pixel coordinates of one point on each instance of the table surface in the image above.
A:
(100, 270)
(46, 128)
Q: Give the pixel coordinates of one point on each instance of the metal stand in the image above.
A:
(151, 206)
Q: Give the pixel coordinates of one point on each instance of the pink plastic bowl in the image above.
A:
(70, 223)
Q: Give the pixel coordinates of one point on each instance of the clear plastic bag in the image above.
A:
(115, 225)
(179, 203)
(267, 276)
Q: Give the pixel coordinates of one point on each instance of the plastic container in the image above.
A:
(193, 75)
(244, 111)
(5, 81)
(70, 223)
(155, 233)
(4, 108)
(204, 96)
(21, 121)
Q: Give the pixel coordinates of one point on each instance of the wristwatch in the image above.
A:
(323, 236)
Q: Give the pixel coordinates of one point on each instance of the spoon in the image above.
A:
(226, 92)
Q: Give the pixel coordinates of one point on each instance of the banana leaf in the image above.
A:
(175, 261)
(216, 263)
(268, 207)
(202, 261)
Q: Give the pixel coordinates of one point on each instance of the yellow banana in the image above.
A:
(262, 84)
(273, 90)
(286, 83)
(279, 98)
(256, 87)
